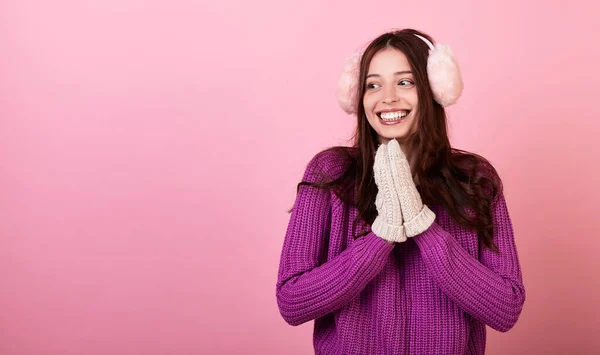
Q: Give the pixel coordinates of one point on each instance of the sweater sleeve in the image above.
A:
(308, 285)
(491, 288)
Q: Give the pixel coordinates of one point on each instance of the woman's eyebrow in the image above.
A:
(396, 73)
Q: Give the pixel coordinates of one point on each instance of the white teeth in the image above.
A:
(393, 115)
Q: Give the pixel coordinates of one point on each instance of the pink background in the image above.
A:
(150, 149)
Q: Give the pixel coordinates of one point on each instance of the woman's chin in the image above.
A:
(389, 134)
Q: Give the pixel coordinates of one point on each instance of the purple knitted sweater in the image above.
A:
(433, 294)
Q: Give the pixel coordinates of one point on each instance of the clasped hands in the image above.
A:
(401, 213)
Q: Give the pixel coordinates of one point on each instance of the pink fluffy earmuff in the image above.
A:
(442, 70)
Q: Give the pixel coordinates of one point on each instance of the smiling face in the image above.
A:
(390, 99)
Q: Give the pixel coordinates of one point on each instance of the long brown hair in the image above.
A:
(463, 183)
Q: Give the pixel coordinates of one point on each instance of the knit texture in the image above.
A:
(433, 294)
(388, 223)
(418, 218)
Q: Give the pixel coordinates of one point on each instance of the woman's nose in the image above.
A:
(390, 95)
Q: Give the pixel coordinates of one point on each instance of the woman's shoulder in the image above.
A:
(329, 164)
(478, 169)
(475, 163)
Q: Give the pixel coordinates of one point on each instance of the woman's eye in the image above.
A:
(401, 83)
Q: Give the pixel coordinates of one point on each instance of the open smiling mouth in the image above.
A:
(389, 118)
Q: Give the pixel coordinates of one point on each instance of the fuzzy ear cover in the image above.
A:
(444, 75)
(443, 72)
(348, 84)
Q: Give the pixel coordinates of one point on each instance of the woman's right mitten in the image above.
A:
(388, 223)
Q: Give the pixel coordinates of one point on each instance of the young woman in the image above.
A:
(400, 244)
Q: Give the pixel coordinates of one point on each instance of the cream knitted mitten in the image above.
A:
(388, 223)
(418, 217)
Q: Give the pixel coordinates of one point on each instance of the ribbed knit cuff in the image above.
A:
(388, 232)
(420, 223)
